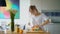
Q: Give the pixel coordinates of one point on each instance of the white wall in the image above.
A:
(24, 8)
(24, 15)
(46, 4)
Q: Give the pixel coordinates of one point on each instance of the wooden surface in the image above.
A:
(9, 32)
(31, 32)
(41, 32)
(1, 32)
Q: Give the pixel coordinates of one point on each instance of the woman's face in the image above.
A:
(33, 11)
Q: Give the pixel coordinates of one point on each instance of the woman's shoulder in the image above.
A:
(43, 14)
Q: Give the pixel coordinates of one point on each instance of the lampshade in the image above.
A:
(2, 3)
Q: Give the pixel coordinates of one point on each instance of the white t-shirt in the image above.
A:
(37, 20)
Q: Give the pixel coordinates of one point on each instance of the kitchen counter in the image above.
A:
(37, 32)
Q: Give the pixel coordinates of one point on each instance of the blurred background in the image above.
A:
(50, 8)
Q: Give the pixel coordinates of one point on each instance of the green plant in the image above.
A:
(12, 15)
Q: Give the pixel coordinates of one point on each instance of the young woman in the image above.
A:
(38, 19)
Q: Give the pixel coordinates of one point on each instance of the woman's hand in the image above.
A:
(35, 26)
(46, 22)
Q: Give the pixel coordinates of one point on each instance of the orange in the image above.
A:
(21, 31)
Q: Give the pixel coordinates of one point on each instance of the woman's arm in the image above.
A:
(46, 22)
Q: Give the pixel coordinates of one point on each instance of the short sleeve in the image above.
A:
(44, 18)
